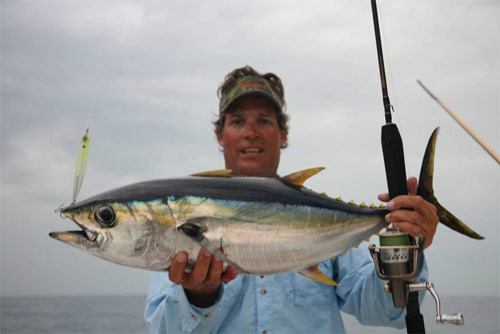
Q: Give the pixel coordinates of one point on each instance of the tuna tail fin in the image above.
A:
(425, 189)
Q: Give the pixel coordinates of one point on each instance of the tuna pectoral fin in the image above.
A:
(316, 275)
(425, 189)
(195, 228)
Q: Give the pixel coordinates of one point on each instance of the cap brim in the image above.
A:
(263, 93)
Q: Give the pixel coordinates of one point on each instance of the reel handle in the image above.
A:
(445, 319)
(453, 319)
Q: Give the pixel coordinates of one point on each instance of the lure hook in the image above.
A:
(63, 207)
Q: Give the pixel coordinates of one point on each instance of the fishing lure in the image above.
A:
(81, 164)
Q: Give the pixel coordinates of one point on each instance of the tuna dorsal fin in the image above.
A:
(316, 275)
(215, 173)
(298, 178)
(425, 189)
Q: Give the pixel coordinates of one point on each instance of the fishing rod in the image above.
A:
(395, 170)
(399, 254)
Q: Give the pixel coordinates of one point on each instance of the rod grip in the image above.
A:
(392, 147)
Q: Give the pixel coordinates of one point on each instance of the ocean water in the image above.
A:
(79, 314)
(124, 314)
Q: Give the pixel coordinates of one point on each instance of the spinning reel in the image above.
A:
(397, 260)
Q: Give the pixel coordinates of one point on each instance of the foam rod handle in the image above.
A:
(392, 147)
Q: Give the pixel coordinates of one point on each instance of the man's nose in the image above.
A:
(251, 130)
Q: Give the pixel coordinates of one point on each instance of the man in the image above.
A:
(252, 130)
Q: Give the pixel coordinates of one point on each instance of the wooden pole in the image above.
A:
(481, 142)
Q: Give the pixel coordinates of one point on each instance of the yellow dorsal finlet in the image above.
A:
(339, 199)
(373, 206)
(298, 178)
(215, 173)
(324, 194)
(351, 202)
(363, 205)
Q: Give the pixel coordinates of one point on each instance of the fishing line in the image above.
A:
(394, 106)
(88, 120)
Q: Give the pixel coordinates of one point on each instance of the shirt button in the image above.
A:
(263, 292)
(264, 332)
(208, 315)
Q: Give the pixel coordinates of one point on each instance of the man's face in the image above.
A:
(251, 137)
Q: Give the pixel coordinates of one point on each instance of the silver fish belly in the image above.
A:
(265, 238)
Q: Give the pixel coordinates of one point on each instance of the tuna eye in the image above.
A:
(105, 216)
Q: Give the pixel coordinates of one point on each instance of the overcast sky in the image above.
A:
(143, 76)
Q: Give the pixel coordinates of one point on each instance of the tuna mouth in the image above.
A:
(72, 236)
(91, 236)
(78, 236)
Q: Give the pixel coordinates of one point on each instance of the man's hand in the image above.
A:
(412, 214)
(202, 284)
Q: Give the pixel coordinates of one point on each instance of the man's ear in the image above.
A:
(284, 139)
(218, 133)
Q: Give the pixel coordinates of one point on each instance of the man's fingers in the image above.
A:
(416, 203)
(411, 229)
(176, 272)
(383, 197)
(412, 185)
(399, 216)
(418, 217)
(415, 230)
(215, 270)
(230, 274)
(412, 214)
(202, 266)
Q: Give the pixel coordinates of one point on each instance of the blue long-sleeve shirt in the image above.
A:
(284, 303)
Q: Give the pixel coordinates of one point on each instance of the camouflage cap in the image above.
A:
(247, 85)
